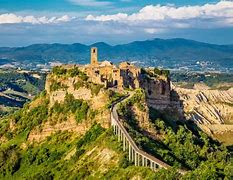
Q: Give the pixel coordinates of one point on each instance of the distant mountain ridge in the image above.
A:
(170, 53)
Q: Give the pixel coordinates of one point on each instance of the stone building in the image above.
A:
(125, 75)
(106, 73)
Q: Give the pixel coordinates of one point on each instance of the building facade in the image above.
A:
(125, 75)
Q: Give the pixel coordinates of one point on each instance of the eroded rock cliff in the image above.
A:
(212, 110)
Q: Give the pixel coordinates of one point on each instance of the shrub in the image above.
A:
(27, 119)
(59, 71)
(81, 112)
(159, 72)
(73, 72)
(91, 135)
(124, 162)
(166, 73)
(77, 106)
(83, 76)
(92, 113)
(57, 85)
(79, 153)
(113, 96)
(95, 88)
(137, 99)
(78, 85)
(9, 161)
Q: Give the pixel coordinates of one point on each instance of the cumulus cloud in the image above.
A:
(153, 30)
(218, 14)
(91, 3)
(151, 21)
(14, 19)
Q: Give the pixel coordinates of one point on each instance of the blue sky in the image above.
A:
(118, 21)
(75, 5)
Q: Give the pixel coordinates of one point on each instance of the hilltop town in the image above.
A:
(156, 83)
(105, 120)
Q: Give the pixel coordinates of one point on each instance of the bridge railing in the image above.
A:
(136, 155)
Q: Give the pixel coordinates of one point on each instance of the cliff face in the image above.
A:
(98, 111)
(212, 110)
(157, 91)
(98, 101)
(207, 106)
(68, 87)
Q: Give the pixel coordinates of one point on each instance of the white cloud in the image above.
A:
(14, 19)
(220, 14)
(116, 17)
(153, 30)
(90, 3)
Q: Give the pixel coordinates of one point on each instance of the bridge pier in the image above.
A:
(129, 153)
(124, 143)
(118, 134)
(138, 159)
(135, 155)
(135, 158)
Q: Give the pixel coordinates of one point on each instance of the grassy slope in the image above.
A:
(63, 155)
(96, 155)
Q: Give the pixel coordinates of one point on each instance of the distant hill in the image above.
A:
(170, 53)
(17, 88)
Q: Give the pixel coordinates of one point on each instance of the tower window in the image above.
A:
(93, 50)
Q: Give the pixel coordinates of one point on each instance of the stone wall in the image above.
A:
(157, 92)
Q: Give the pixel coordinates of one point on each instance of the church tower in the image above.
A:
(94, 56)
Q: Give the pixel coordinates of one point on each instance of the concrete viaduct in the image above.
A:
(139, 157)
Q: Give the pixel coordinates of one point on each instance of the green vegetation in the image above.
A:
(78, 107)
(9, 161)
(213, 80)
(49, 159)
(25, 119)
(148, 73)
(90, 136)
(18, 88)
(57, 86)
(95, 88)
(72, 72)
(164, 72)
(81, 112)
(179, 144)
(113, 97)
(58, 71)
(79, 84)
(137, 99)
(21, 81)
(97, 154)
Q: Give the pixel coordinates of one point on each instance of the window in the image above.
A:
(115, 83)
(163, 88)
(149, 92)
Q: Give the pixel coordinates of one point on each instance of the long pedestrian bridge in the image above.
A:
(136, 155)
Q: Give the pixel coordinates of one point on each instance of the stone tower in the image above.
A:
(94, 56)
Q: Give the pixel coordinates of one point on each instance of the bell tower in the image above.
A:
(94, 56)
